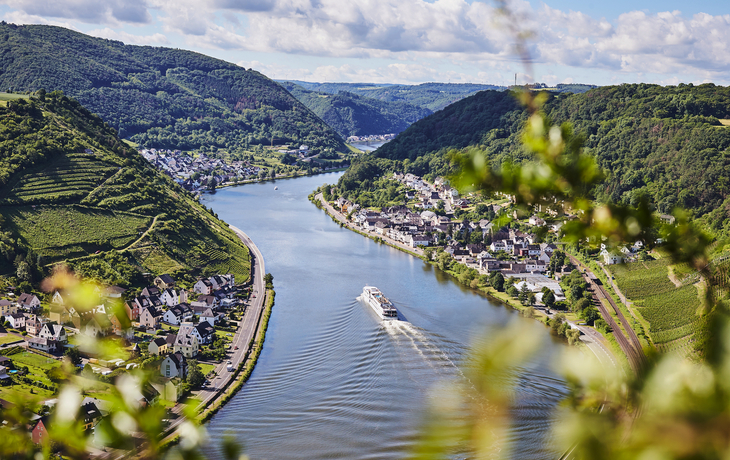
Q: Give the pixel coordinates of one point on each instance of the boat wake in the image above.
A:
(405, 333)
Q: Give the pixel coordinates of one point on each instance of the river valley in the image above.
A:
(334, 381)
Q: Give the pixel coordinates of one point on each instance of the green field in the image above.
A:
(9, 339)
(671, 311)
(4, 97)
(58, 232)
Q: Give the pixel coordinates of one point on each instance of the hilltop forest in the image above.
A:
(431, 96)
(666, 143)
(71, 190)
(160, 97)
(353, 115)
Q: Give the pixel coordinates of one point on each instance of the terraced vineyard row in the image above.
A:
(74, 176)
(58, 232)
(637, 281)
(671, 311)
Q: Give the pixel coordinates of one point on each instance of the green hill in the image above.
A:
(431, 96)
(664, 142)
(159, 97)
(71, 190)
(354, 115)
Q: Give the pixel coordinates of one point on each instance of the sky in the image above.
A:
(417, 41)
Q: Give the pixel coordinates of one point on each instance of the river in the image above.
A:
(333, 381)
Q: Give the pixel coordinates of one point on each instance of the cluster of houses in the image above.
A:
(511, 252)
(182, 167)
(42, 333)
(371, 138)
(302, 152)
(429, 195)
(162, 303)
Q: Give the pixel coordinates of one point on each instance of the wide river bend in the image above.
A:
(334, 382)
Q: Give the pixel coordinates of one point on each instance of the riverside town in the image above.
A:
(364, 230)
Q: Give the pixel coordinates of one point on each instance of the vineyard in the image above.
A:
(671, 311)
(58, 232)
(69, 178)
(230, 259)
(637, 280)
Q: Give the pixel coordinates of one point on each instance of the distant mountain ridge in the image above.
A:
(432, 96)
(666, 143)
(159, 97)
(353, 115)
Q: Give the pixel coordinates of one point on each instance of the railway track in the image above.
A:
(631, 346)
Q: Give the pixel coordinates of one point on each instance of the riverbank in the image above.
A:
(593, 339)
(282, 176)
(246, 347)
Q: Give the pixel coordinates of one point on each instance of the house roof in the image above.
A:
(26, 299)
(177, 358)
(115, 290)
(167, 279)
(204, 328)
(5, 303)
(153, 312)
(160, 341)
(90, 412)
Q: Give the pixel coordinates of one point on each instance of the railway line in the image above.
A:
(631, 346)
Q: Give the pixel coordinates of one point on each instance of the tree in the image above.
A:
(513, 292)
(428, 253)
(73, 355)
(269, 280)
(590, 315)
(548, 299)
(524, 294)
(497, 281)
(195, 377)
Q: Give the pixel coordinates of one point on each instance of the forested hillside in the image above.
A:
(432, 96)
(159, 97)
(71, 190)
(353, 115)
(665, 142)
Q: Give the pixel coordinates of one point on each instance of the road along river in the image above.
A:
(334, 381)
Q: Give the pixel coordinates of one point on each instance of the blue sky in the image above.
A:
(415, 41)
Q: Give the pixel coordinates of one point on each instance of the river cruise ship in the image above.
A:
(378, 302)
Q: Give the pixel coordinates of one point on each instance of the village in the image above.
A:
(201, 172)
(180, 335)
(427, 221)
(198, 173)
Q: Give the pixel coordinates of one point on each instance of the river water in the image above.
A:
(333, 381)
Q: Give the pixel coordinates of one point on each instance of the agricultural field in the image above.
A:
(72, 177)
(671, 311)
(639, 279)
(155, 260)
(4, 97)
(58, 232)
(231, 258)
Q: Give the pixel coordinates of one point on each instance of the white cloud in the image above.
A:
(21, 18)
(418, 35)
(128, 38)
(89, 11)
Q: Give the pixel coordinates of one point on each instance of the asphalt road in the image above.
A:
(239, 351)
